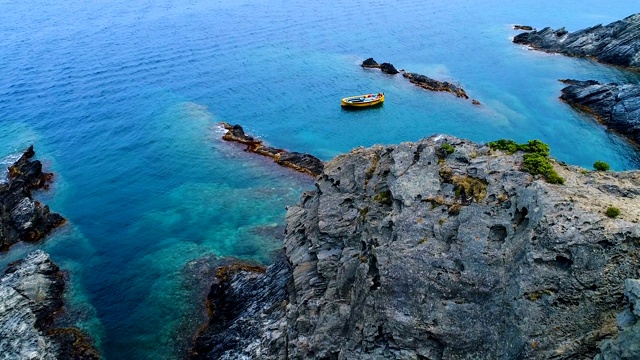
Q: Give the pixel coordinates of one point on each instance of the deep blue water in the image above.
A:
(121, 100)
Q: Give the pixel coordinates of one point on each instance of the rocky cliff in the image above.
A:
(30, 295)
(21, 217)
(417, 252)
(617, 43)
(615, 106)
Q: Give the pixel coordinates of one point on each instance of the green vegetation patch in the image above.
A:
(601, 166)
(536, 160)
(448, 149)
(613, 212)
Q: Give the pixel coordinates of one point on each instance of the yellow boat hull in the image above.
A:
(361, 101)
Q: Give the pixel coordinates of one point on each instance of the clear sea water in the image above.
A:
(121, 100)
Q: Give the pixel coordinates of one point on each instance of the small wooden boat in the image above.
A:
(363, 100)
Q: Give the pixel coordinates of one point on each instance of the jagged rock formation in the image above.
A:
(21, 218)
(615, 106)
(30, 295)
(422, 81)
(627, 344)
(428, 83)
(301, 162)
(387, 68)
(617, 43)
(241, 291)
(411, 252)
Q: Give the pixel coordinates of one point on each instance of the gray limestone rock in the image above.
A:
(617, 43)
(616, 106)
(627, 344)
(408, 252)
(30, 294)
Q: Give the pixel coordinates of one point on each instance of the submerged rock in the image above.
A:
(30, 295)
(617, 43)
(428, 83)
(304, 163)
(615, 106)
(409, 252)
(22, 218)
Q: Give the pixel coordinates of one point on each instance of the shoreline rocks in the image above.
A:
(615, 106)
(30, 296)
(422, 81)
(301, 162)
(244, 307)
(616, 44)
(22, 218)
(414, 251)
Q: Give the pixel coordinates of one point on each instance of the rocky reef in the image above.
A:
(422, 81)
(22, 218)
(617, 43)
(418, 252)
(30, 296)
(428, 83)
(615, 106)
(304, 163)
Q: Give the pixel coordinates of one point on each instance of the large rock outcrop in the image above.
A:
(615, 106)
(617, 43)
(22, 218)
(414, 252)
(30, 295)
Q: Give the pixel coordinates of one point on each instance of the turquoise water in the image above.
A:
(121, 100)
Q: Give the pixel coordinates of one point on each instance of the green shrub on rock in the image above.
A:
(613, 212)
(448, 149)
(505, 145)
(601, 166)
(536, 147)
(535, 161)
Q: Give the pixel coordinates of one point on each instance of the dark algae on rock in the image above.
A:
(616, 106)
(30, 297)
(415, 252)
(616, 44)
(22, 218)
